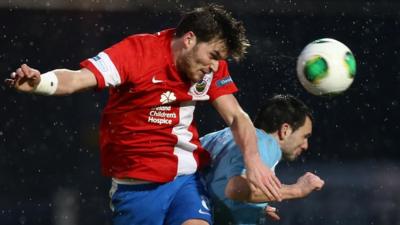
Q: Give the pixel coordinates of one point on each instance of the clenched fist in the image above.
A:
(309, 182)
(24, 79)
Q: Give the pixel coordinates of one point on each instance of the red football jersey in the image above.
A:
(147, 130)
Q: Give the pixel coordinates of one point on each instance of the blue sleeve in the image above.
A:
(224, 152)
(236, 164)
(215, 142)
(268, 147)
(208, 141)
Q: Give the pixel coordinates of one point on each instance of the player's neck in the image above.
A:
(176, 49)
(275, 135)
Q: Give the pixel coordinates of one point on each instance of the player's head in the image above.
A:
(290, 120)
(209, 34)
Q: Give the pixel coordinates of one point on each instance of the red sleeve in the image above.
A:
(222, 83)
(118, 64)
(100, 79)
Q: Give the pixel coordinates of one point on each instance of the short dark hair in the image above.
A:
(282, 109)
(213, 22)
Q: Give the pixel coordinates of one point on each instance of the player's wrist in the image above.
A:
(298, 191)
(251, 157)
(47, 85)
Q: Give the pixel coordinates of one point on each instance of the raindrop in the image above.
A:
(22, 219)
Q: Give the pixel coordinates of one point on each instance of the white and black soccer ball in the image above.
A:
(326, 67)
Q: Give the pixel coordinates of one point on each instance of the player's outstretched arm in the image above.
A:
(55, 82)
(308, 183)
(259, 176)
(238, 189)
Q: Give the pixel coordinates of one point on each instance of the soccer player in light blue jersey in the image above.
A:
(283, 125)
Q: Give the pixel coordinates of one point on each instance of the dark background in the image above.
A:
(49, 161)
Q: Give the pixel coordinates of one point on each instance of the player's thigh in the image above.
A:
(190, 205)
(195, 222)
(139, 204)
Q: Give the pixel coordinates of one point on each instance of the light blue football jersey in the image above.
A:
(227, 161)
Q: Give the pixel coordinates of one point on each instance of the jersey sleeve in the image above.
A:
(277, 156)
(117, 64)
(215, 142)
(209, 143)
(224, 150)
(236, 167)
(222, 83)
(269, 150)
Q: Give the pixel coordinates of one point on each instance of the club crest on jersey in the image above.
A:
(200, 88)
(167, 97)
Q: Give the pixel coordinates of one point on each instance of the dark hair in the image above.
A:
(282, 109)
(213, 22)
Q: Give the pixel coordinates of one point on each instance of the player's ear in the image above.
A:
(284, 131)
(189, 39)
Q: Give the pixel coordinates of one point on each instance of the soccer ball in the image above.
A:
(326, 67)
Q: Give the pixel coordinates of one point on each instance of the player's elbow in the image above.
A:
(67, 90)
(246, 196)
(237, 189)
(74, 81)
(77, 83)
(240, 117)
(237, 195)
(258, 197)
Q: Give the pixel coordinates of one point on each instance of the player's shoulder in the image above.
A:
(223, 63)
(141, 39)
(222, 76)
(268, 148)
(267, 141)
(151, 37)
(220, 135)
(261, 134)
(222, 67)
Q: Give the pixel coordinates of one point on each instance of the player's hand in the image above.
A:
(24, 79)
(263, 178)
(309, 182)
(271, 212)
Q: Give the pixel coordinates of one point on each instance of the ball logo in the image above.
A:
(167, 97)
(315, 69)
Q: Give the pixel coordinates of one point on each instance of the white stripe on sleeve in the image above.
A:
(103, 63)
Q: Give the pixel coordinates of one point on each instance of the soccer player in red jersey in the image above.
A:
(148, 139)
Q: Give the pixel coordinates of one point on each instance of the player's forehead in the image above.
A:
(217, 46)
(306, 129)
